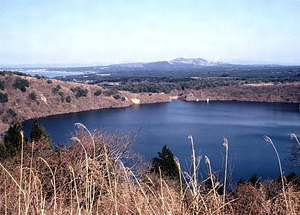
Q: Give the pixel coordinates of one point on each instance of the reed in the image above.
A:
(293, 136)
(90, 177)
(269, 140)
(225, 144)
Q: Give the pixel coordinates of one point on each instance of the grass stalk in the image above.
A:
(161, 191)
(180, 184)
(211, 178)
(13, 179)
(21, 170)
(80, 184)
(293, 136)
(5, 196)
(76, 189)
(87, 181)
(225, 144)
(53, 184)
(30, 182)
(269, 140)
(195, 180)
(80, 125)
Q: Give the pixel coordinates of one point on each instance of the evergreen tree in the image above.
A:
(13, 139)
(166, 163)
(37, 132)
(3, 152)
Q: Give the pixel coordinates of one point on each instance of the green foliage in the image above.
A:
(21, 84)
(32, 96)
(98, 93)
(79, 92)
(3, 152)
(2, 85)
(37, 132)
(165, 163)
(61, 93)
(68, 99)
(56, 89)
(11, 112)
(110, 92)
(117, 96)
(73, 89)
(20, 74)
(3, 98)
(13, 139)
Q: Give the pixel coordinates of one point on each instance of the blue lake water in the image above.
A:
(244, 124)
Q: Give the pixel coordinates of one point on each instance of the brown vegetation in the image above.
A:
(288, 92)
(34, 97)
(44, 97)
(90, 178)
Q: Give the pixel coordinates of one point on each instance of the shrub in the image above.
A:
(117, 96)
(49, 81)
(79, 92)
(255, 181)
(11, 112)
(98, 93)
(3, 98)
(32, 96)
(56, 89)
(73, 89)
(21, 84)
(5, 119)
(1, 85)
(110, 92)
(68, 99)
(61, 94)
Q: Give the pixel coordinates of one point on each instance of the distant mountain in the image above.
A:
(175, 65)
(178, 63)
(193, 61)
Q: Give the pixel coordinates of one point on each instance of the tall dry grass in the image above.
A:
(90, 177)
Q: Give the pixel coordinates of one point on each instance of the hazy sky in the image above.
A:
(111, 31)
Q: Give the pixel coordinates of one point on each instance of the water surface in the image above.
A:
(244, 124)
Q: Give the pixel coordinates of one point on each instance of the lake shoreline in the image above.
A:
(45, 97)
(163, 98)
(208, 100)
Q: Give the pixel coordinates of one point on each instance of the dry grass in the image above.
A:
(90, 178)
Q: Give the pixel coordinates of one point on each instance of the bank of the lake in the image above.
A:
(25, 97)
(43, 97)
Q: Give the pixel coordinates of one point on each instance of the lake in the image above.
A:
(244, 124)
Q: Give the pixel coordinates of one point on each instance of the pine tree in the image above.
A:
(13, 139)
(166, 163)
(37, 132)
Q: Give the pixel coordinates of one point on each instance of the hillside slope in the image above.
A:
(24, 97)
